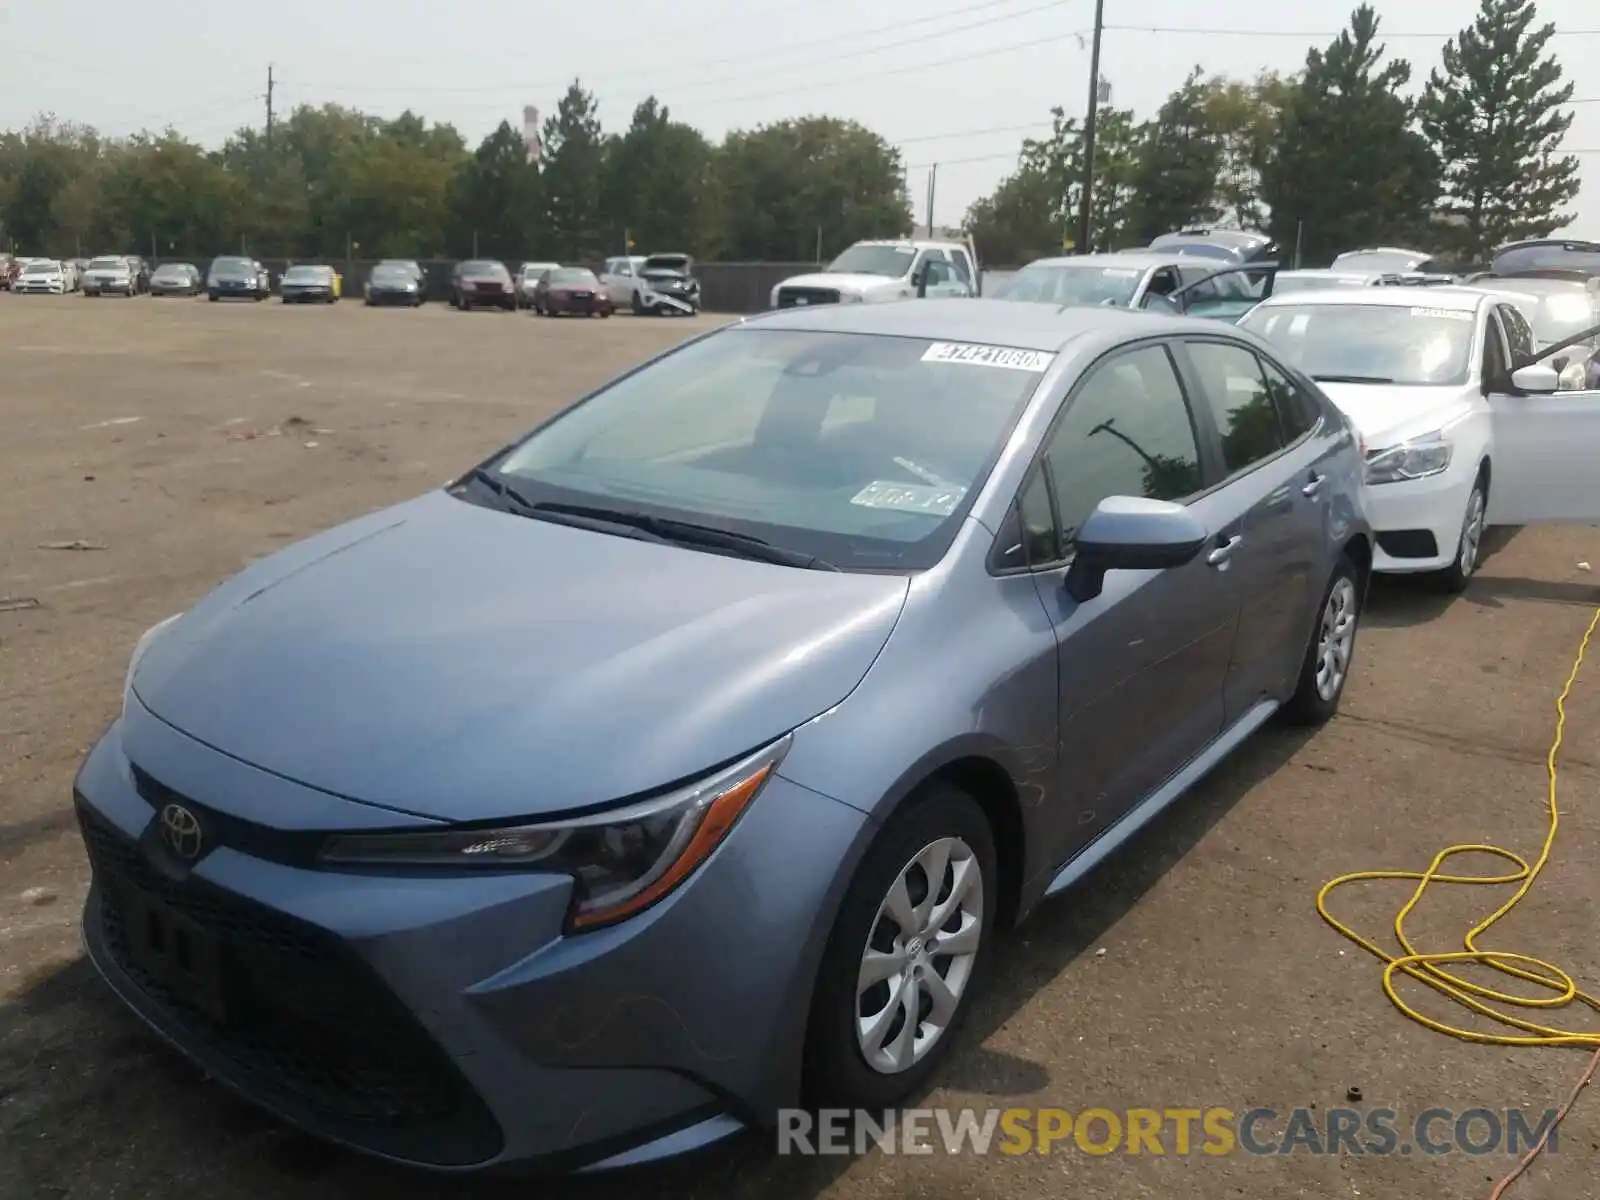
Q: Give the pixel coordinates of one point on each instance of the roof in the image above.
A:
(1240, 238)
(916, 243)
(1045, 327)
(1454, 298)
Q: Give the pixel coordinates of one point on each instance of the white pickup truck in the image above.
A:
(887, 270)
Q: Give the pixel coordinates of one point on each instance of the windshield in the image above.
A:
(1548, 256)
(893, 261)
(534, 270)
(1371, 343)
(1284, 284)
(862, 450)
(306, 275)
(574, 275)
(1072, 284)
(1380, 261)
(482, 269)
(108, 264)
(172, 271)
(233, 266)
(44, 268)
(383, 274)
(1194, 246)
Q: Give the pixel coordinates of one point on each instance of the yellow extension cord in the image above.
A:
(1430, 969)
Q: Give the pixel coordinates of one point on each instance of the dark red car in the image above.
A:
(481, 283)
(571, 290)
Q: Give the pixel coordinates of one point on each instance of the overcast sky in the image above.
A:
(956, 82)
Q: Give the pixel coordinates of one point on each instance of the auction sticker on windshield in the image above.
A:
(988, 356)
(1449, 314)
(910, 497)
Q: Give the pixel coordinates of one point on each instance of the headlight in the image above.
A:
(146, 639)
(1415, 458)
(621, 861)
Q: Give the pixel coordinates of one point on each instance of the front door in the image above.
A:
(1141, 666)
(1276, 469)
(1546, 460)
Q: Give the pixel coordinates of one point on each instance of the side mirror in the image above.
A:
(1131, 533)
(1536, 379)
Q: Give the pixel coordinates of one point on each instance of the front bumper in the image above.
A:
(446, 1022)
(40, 289)
(1417, 524)
(392, 296)
(294, 295)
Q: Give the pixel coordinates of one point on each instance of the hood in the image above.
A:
(849, 283)
(678, 264)
(463, 663)
(1385, 413)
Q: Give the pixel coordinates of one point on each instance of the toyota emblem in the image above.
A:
(180, 829)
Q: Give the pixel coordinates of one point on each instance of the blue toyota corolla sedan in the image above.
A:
(682, 761)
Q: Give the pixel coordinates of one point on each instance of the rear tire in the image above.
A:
(946, 826)
(1330, 651)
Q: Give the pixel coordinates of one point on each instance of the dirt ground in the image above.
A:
(172, 442)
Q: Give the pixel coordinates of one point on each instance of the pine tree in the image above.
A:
(1348, 168)
(1175, 172)
(1496, 115)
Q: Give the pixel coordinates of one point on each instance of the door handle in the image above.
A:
(1313, 486)
(1220, 556)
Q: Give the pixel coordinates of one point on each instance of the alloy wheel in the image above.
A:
(1472, 532)
(919, 956)
(1336, 634)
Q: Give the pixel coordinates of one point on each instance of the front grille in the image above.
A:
(309, 1027)
(1409, 543)
(789, 297)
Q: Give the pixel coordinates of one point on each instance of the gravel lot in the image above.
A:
(174, 441)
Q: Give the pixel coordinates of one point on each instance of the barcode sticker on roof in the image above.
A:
(988, 356)
(1448, 314)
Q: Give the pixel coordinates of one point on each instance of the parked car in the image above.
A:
(1227, 246)
(482, 282)
(1169, 282)
(235, 277)
(1560, 256)
(574, 290)
(1461, 429)
(886, 270)
(806, 882)
(310, 284)
(395, 283)
(111, 274)
(1390, 260)
(42, 275)
(176, 279)
(660, 284)
(528, 276)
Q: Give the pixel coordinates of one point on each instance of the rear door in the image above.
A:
(1141, 666)
(1274, 476)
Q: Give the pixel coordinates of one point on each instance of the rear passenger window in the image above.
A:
(1297, 412)
(1127, 433)
(1237, 393)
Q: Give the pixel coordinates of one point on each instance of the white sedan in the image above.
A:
(42, 275)
(1458, 435)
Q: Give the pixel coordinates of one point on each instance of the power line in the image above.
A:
(810, 44)
(1383, 35)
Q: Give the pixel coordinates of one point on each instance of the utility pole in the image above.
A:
(271, 83)
(1086, 198)
(933, 177)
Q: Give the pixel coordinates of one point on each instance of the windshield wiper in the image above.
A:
(687, 533)
(500, 488)
(1352, 379)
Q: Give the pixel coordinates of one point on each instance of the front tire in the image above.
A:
(1469, 546)
(906, 950)
(1326, 667)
